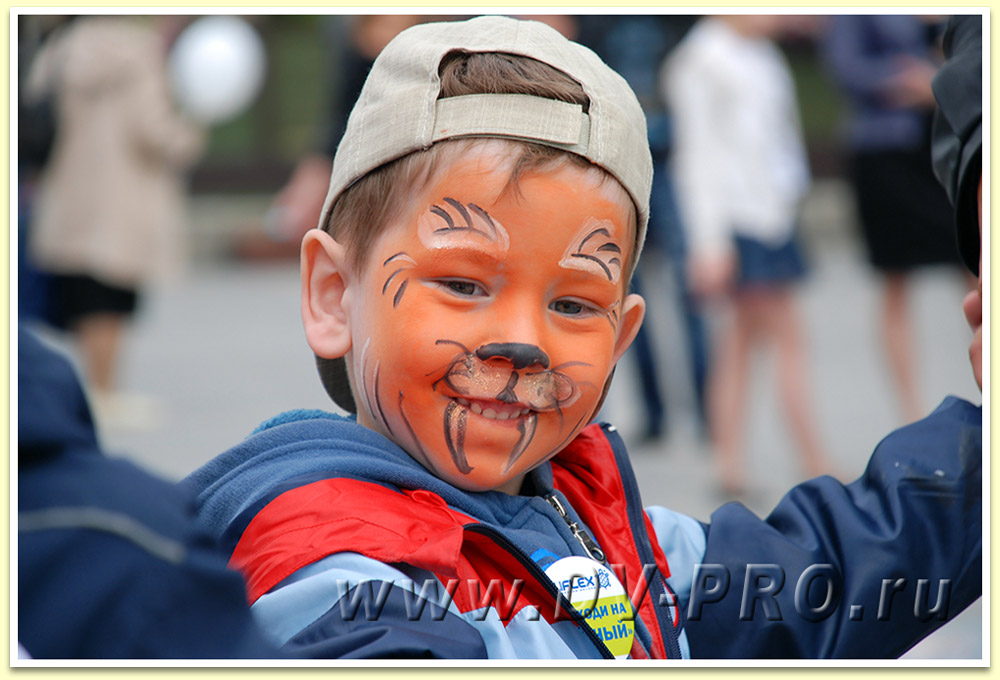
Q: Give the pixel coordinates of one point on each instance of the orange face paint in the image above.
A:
(488, 320)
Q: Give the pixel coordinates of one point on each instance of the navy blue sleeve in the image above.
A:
(393, 633)
(110, 567)
(864, 570)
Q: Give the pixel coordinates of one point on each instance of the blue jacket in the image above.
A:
(352, 549)
(109, 563)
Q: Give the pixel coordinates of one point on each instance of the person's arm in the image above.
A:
(863, 570)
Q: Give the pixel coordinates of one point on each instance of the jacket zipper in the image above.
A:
(540, 576)
(593, 550)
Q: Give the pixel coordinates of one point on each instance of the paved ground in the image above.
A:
(223, 348)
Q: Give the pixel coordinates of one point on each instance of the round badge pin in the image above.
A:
(595, 592)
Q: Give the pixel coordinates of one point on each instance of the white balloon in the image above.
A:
(217, 68)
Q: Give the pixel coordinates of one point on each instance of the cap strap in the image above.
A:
(518, 116)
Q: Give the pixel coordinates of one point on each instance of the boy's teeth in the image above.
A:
(478, 409)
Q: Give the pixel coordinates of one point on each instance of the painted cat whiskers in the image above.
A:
(494, 376)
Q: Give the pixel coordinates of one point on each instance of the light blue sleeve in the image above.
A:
(682, 539)
(313, 590)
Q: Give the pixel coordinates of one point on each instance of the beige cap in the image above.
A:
(398, 111)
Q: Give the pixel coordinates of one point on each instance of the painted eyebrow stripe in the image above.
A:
(607, 271)
(401, 253)
(486, 217)
(464, 214)
(399, 293)
(597, 232)
(612, 319)
(461, 211)
(391, 277)
(443, 214)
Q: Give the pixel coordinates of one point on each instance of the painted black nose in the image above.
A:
(518, 354)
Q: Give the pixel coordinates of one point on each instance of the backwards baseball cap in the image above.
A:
(399, 112)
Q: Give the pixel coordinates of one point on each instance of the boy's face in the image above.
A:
(487, 321)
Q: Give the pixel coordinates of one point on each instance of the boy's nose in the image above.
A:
(519, 354)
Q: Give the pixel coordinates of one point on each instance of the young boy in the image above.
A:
(467, 299)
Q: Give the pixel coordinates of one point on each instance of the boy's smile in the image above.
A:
(487, 318)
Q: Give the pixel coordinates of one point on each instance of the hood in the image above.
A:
(301, 447)
(52, 411)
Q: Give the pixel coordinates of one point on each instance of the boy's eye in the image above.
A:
(568, 307)
(462, 287)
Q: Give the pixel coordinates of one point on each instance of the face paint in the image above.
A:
(523, 395)
(450, 218)
(487, 327)
(596, 250)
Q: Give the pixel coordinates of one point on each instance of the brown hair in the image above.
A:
(369, 205)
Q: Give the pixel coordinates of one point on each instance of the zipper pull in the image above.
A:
(593, 551)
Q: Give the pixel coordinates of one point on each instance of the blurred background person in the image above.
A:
(884, 65)
(110, 208)
(297, 206)
(741, 173)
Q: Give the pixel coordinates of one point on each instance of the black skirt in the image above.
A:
(74, 296)
(906, 219)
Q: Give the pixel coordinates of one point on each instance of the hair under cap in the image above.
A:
(398, 111)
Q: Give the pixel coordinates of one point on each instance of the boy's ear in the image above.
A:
(633, 312)
(325, 312)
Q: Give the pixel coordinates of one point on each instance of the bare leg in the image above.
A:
(898, 338)
(726, 395)
(785, 331)
(100, 338)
